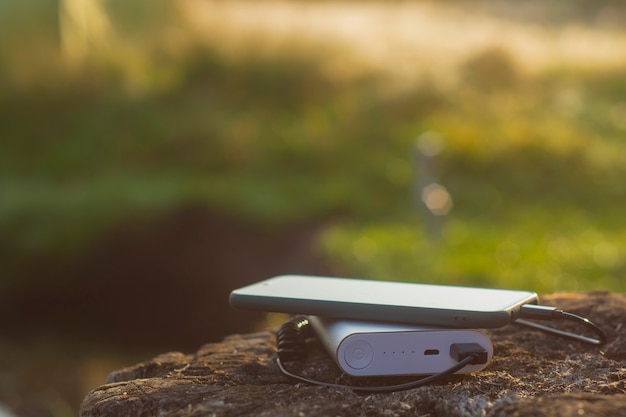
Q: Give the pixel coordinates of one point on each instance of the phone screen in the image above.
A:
(384, 300)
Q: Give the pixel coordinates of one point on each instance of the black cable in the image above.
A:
(532, 311)
(291, 346)
(398, 387)
(292, 335)
(291, 338)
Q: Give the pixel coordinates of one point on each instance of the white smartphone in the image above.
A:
(384, 301)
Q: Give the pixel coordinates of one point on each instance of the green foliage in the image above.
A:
(534, 164)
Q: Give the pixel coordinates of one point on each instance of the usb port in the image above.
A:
(460, 351)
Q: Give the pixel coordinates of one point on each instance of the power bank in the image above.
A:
(363, 348)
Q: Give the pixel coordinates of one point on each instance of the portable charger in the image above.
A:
(363, 348)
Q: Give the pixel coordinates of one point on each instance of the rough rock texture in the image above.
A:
(531, 374)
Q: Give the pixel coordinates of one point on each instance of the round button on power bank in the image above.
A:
(359, 354)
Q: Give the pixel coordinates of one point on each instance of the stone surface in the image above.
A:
(531, 374)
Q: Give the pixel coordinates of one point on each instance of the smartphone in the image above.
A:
(384, 301)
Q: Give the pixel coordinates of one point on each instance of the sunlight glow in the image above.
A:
(437, 198)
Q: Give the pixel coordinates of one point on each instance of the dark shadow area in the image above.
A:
(162, 286)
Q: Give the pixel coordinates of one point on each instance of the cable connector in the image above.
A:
(460, 351)
(537, 312)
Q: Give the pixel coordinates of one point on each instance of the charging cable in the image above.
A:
(291, 346)
(537, 312)
(388, 388)
(291, 343)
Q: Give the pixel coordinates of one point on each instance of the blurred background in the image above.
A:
(155, 155)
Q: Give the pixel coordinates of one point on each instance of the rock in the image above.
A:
(531, 374)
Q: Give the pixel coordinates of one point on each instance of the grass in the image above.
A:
(539, 209)
(533, 161)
